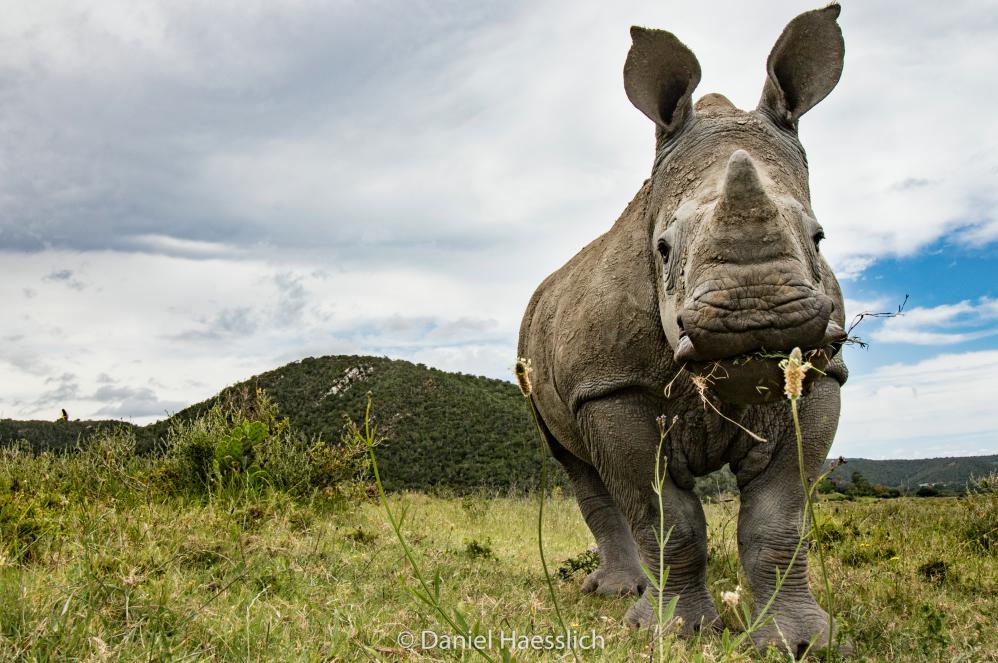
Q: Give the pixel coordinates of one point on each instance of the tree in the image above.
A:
(826, 486)
(860, 485)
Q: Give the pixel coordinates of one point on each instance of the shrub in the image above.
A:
(245, 444)
(21, 526)
(826, 486)
(475, 549)
(362, 536)
(586, 562)
(980, 514)
(241, 446)
(935, 571)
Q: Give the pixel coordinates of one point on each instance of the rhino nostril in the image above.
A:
(679, 323)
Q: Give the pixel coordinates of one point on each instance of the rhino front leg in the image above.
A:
(619, 571)
(771, 517)
(623, 437)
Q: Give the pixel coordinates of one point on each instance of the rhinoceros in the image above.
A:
(683, 309)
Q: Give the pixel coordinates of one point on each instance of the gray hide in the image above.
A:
(713, 262)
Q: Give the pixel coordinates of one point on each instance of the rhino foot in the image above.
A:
(798, 631)
(694, 612)
(615, 582)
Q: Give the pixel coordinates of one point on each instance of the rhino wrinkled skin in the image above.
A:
(715, 261)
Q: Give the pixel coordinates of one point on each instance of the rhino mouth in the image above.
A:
(731, 316)
(687, 353)
(756, 377)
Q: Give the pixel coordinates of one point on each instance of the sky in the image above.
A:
(193, 193)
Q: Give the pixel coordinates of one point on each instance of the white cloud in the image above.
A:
(466, 127)
(946, 324)
(940, 406)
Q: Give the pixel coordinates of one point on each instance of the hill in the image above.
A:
(441, 429)
(910, 474)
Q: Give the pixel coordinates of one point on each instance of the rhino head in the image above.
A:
(740, 277)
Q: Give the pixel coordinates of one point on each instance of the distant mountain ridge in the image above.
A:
(951, 471)
(444, 430)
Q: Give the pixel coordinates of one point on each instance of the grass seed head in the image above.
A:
(794, 369)
(522, 372)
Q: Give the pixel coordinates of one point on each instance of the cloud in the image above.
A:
(67, 388)
(942, 405)
(464, 328)
(192, 326)
(294, 136)
(66, 277)
(946, 324)
(125, 402)
(29, 362)
(852, 266)
(910, 183)
(226, 324)
(292, 298)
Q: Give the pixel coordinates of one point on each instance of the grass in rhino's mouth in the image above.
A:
(816, 354)
(718, 368)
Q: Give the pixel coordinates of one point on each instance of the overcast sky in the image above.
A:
(192, 193)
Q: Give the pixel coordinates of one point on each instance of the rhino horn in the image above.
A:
(744, 196)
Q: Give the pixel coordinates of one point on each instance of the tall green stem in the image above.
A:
(540, 521)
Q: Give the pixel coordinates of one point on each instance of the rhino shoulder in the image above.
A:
(592, 326)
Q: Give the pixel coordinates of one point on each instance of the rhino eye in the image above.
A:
(663, 249)
(818, 236)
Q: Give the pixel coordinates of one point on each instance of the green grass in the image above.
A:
(289, 579)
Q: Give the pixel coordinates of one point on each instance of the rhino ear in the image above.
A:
(804, 65)
(660, 75)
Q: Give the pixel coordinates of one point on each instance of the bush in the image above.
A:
(935, 570)
(826, 487)
(21, 527)
(586, 562)
(475, 549)
(711, 487)
(980, 514)
(241, 446)
(244, 444)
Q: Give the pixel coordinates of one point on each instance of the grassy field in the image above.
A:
(244, 541)
(277, 578)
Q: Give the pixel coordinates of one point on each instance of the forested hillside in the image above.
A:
(440, 429)
(910, 474)
(54, 435)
